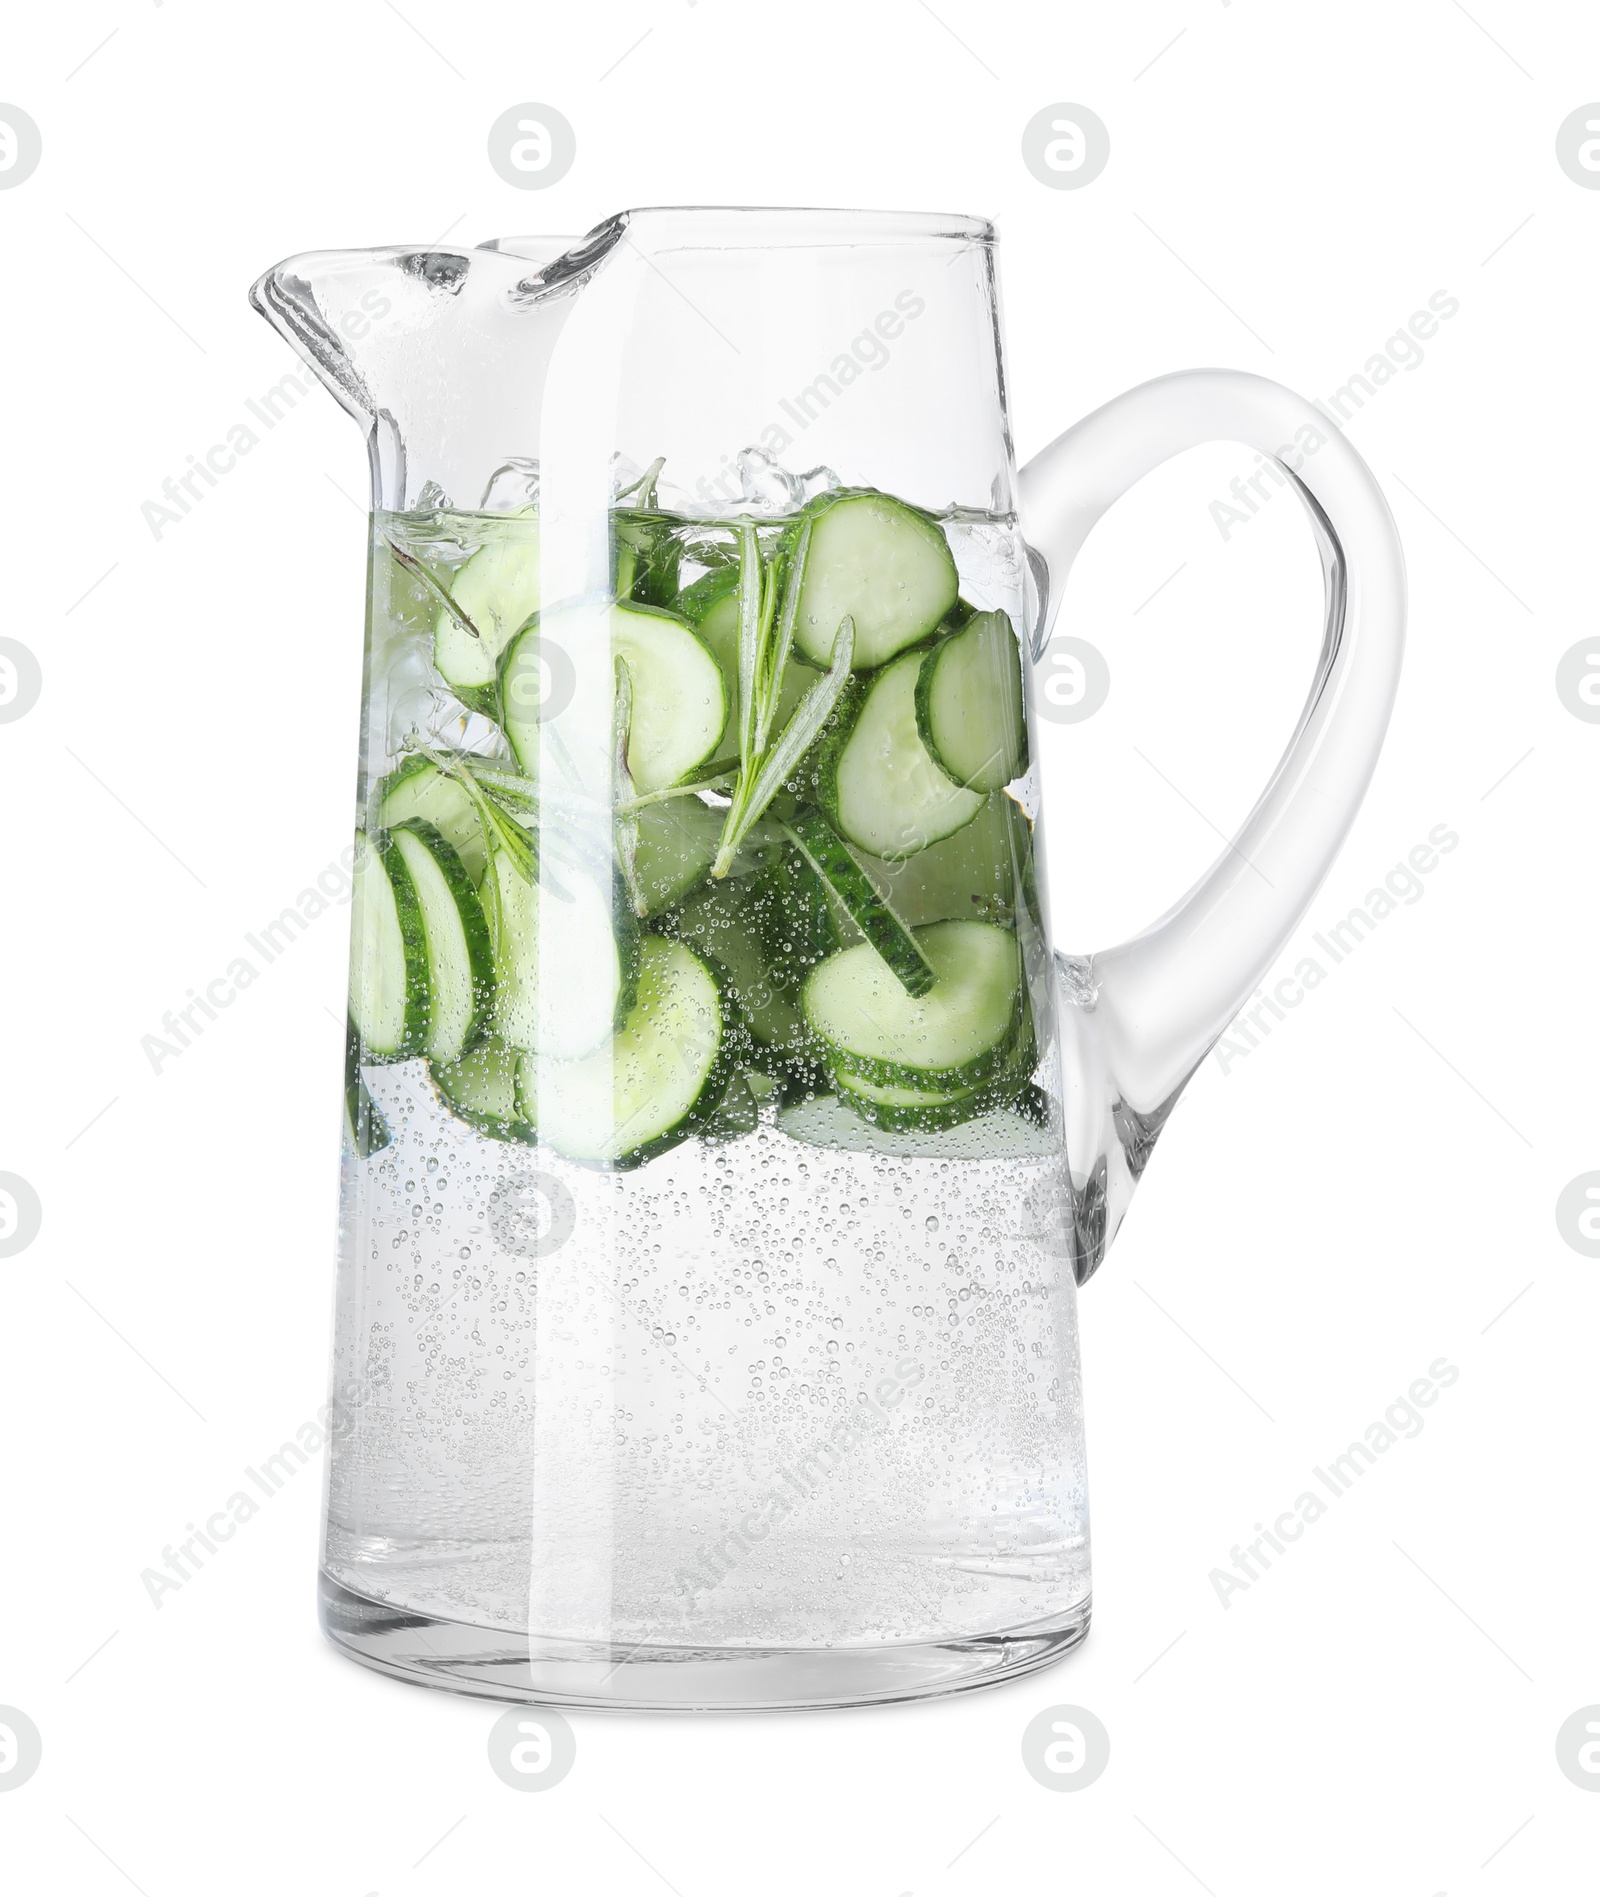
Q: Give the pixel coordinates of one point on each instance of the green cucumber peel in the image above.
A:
(828, 854)
(697, 599)
(476, 932)
(369, 1130)
(994, 712)
(417, 1013)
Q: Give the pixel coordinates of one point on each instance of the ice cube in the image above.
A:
(433, 499)
(514, 484)
(672, 499)
(421, 712)
(429, 718)
(765, 486)
(818, 480)
(988, 556)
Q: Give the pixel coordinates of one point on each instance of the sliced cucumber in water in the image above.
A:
(564, 953)
(460, 961)
(646, 550)
(737, 1113)
(904, 1109)
(978, 874)
(481, 1089)
(652, 1084)
(369, 1130)
(677, 840)
(969, 704)
(388, 954)
(715, 614)
(858, 968)
(497, 590)
(420, 789)
(875, 778)
(799, 918)
(695, 602)
(956, 1035)
(886, 566)
(750, 935)
(866, 908)
(680, 703)
(910, 1108)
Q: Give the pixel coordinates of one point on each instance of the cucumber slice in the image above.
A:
(969, 705)
(564, 959)
(460, 961)
(957, 1035)
(801, 922)
(369, 1130)
(652, 1084)
(695, 601)
(677, 842)
(886, 566)
(737, 1114)
(481, 1089)
(977, 875)
(740, 928)
(849, 882)
(646, 549)
(388, 954)
(908, 1109)
(718, 625)
(498, 591)
(420, 789)
(680, 704)
(917, 1108)
(875, 778)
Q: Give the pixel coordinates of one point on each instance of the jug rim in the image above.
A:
(822, 223)
(755, 225)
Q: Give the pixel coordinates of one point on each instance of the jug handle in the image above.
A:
(1136, 1020)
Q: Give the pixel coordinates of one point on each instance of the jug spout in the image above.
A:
(410, 341)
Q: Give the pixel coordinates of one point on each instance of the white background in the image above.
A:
(1367, 1191)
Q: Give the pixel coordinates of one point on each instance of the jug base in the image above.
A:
(493, 1663)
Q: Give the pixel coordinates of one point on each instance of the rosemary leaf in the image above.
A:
(752, 587)
(417, 570)
(501, 831)
(645, 486)
(778, 651)
(706, 778)
(809, 716)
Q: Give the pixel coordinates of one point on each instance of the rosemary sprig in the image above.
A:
(645, 486)
(766, 635)
(761, 777)
(500, 828)
(720, 774)
(417, 570)
(777, 652)
(757, 590)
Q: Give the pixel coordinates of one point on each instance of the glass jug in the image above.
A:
(724, 1143)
